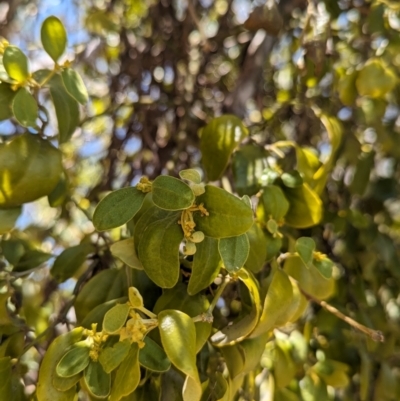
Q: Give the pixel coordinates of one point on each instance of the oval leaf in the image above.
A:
(25, 108)
(218, 140)
(6, 99)
(54, 37)
(305, 247)
(115, 318)
(45, 389)
(74, 85)
(272, 205)
(191, 175)
(127, 376)
(206, 265)
(228, 215)
(125, 251)
(153, 357)
(111, 357)
(117, 208)
(169, 193)
(159, 250)
(74, 361)
(16, 64)
(234, 252)
(97, 380)
(258, 242)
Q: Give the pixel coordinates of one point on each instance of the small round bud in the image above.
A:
(189, 248)
(197, 237)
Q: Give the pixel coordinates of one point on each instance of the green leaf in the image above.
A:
(170, 193)
(153, 357)
(218, 139)
(248, 164)
(6, 100)
(234, 252)
(178, 337)
(193, 305)
(96, 315)
(111, 357)
(97, 380)
(305, 247)
(105, 286)
(361, 178)
(66, 383)
(6, 390)
(277, 301)
(8, 218)
(309, 279)
(273, 204)
(25, 108)
(159, 250)
(75, 360)
(67, 109)
(45, 390)
(243, 326)
(16, 64)
(228, 215)
(127, 376)
(31, 259)
(54, 37)
(333, 373)
(258, 242)
(125, 251)
(307, 163)
(115, 318)
(69, 261)
(305, 208)
(206, 265)
(190, 175)
(74, 85)
(117, 208)
(324, 265)
(60, 193)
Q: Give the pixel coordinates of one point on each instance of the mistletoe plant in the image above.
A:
(198, 279)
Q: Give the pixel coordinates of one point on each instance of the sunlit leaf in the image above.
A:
(54, 37)
(115, 318)
(125, 251)
(16, 64)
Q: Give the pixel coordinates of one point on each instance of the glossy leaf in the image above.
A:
(178, 337)
(277, 301)
(218, 139)
(190, 175)
(244, 325)
(125, 251)
(234, 252)
(74, 85)
(69, 261)
(305, 208)
(53, 37)
(127, 376)
(111, 357)
(228, 215)
(97, 380)
(170, 193)
(16, 64)
(305, 247)
(6, 100)
(25, 108)
(206, 265)
(117, 208)
(74, 361)
(115, 318)
(159, 250)
(29, 169)
(45, 388)
(310, 279)
(8, 218)
(66, 107)
(153, 357)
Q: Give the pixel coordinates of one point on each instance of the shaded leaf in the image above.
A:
(97, 380)
(111, 357)
(234, 252)
(6, 100)
(25, 108)
(153, 357)
(8, 218)
(74, 85)
(125, 251)
(75, 360)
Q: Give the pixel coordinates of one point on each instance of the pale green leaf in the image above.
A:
(125, 251)
(190, 175)
(74, 85)
(53, 37)
(16, 64)
(305, 247)
(25, 108)
(234, 252)
(8, 218)
(111, 357)
(115, 318)
(272, 204)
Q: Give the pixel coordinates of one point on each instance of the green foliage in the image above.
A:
(138, 279)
